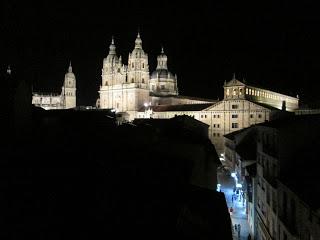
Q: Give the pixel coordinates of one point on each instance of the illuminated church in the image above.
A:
(133, 90)
(127, 88)
(64, 100)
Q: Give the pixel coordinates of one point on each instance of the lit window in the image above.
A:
(247, 91)
(240, 91)
(234, 92)
(228, 92)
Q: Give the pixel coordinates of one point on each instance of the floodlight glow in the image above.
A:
(233, 175)
(145, 104)
(239, 185)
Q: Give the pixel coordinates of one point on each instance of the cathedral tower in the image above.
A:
(113, 71)
(138, 68)
(69, 89)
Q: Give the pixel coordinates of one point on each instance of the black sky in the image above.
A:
(274, 45)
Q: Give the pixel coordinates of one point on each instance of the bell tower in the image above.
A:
(69, 89)
(138, 67)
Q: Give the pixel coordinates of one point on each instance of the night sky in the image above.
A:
(273, 45)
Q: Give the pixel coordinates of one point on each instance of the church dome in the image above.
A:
(162, 73)
(162, 69)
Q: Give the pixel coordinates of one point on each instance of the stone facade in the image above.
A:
(236, 111)
(66, 99)
(281, 185)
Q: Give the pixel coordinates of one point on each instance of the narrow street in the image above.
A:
(238, 215)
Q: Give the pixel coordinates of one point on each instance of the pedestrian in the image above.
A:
(239, 228)
(235, 227)
(249, 237)
(232, 198)
(231, 210)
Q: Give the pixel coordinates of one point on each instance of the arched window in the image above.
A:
(132, 80)
(234, 92)
(142, 65)
(132, 65)
(142, 80)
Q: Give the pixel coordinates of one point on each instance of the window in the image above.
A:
(162, 87)
(234, 106)
(142, 80)
(234, 92)
(132, 80)
(234, 125)
(234, 116)
(153, 87)
(251, 115)
(142, 65)
(201, 116)
(205, 116)
(132, 65)
(218, 125)
(214, 116)
(228, 92)
(214, 134)
(240, 91)
(214, 125)
(218, 116)
(218, 134)
(247, 91)
(259, 116)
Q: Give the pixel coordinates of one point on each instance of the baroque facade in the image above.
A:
(66, 99)
(128, 88)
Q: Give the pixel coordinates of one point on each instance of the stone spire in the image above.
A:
(138, 42)
(112, 48)
(70, 68)
(234, 76)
